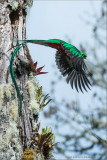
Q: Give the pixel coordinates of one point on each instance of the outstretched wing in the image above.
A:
(74, 68)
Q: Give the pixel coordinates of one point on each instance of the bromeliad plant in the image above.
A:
(33, 65)
(41, 99)
(38, 70)
(43, 143)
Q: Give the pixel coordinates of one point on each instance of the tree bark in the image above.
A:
(19, 135)
(15, 131)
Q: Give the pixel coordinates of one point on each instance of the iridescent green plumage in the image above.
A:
(55, 43)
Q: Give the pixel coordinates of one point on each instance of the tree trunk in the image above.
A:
(15, 132)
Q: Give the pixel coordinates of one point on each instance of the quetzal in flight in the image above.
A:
(69, 60)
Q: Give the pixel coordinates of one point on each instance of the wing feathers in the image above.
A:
(75, 69)
(79, 82)
(75, 82)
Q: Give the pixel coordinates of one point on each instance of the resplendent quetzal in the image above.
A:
(70, 61)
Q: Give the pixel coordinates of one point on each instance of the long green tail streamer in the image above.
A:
(14, 80)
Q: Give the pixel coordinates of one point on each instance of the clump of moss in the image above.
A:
(5, 90)
(9, 141)
(28, 154)
(34, 106)
(14, 4)
(13, 115)
(37, 101)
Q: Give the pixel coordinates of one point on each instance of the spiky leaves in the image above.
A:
(43, 143)
(74, 68)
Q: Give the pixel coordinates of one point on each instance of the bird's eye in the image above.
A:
(85, 56)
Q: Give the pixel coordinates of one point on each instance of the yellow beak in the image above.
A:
(86, 58)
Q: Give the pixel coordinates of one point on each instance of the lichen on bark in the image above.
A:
(16, 132)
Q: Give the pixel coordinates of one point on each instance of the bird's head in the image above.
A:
(83, 55)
